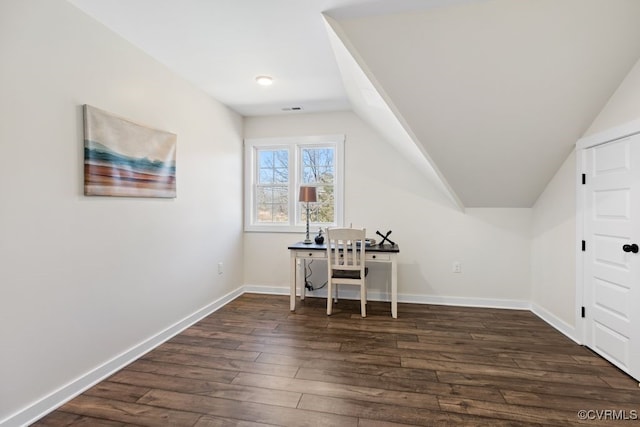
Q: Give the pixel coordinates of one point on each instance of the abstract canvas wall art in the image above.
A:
(122, 158)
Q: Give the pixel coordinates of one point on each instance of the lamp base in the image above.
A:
(307, 240)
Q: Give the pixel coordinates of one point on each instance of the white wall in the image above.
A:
(553, 249)
(623, 106)
(83, 279)
(384, 192)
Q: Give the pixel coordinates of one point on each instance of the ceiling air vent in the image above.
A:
(292, 109)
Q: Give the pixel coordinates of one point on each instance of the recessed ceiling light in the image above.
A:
(264, 80)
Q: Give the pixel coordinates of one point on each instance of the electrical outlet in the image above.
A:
(456, 267)
(220, 268)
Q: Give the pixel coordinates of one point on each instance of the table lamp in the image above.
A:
(307, 194)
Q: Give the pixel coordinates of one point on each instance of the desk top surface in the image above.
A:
(323, 247)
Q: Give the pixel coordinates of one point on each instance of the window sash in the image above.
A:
(321, 187)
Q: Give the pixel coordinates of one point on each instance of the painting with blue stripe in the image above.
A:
(122, 158)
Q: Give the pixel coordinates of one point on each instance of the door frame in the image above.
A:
(608, 135)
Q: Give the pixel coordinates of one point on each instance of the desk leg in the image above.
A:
(300, 279)
(292, 279)
(394, 288)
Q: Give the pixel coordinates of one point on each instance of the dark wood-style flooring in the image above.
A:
(253, 363)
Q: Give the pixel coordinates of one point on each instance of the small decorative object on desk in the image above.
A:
(319, 238)
(367, 242)
(385, 237)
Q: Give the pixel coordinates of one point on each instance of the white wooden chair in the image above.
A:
(346, 263)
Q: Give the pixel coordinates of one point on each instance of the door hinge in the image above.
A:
(584, 179)
(583, 312)
(584, 246)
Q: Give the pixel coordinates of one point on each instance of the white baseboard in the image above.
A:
(556, 322)
(374, 295)
(67, 392)
(271, 290)
(510, 304)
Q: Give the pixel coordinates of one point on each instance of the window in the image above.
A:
(275, 168)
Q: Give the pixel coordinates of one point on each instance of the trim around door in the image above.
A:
(609, 135)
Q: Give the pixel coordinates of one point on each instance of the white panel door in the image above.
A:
(612, 262)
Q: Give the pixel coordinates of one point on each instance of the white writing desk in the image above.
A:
(376, 253)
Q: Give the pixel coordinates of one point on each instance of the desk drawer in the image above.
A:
(311, 254)
(377, 257)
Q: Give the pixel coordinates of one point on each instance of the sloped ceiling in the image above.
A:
(498, 91)
(491, 93)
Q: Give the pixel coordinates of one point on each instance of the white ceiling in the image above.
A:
(494, 92)
(222, 45)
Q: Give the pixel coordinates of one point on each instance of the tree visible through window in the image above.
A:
(272, 192)
(318, 169)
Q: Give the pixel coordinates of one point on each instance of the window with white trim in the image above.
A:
(275, 168)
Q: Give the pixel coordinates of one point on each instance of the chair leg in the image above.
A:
(363, 301)
(329, 298)
(366, 295)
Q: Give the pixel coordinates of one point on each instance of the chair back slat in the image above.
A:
(346, 247)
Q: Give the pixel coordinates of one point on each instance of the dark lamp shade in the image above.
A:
(307, 194)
